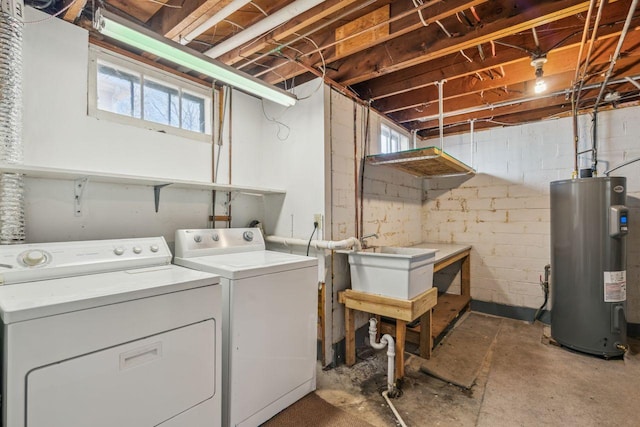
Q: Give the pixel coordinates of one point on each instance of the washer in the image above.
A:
(108, 333)
(269, 320)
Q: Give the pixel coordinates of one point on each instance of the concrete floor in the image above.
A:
(524, 381)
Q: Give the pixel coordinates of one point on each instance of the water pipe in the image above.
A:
(351, 242)
(386, 341)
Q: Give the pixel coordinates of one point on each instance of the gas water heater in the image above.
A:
(589, 222)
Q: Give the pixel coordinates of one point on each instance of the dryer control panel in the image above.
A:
(41, 261)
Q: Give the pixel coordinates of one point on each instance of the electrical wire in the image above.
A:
(315, 227)
(58, 13)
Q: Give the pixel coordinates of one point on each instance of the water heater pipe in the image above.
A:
(351, 242)
(218, 17)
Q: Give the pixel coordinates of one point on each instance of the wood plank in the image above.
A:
(293, 26)
(408, 22)
(409, 51)
(449, 307)
(429, 161)
(465, 277)
(561, 63)
(350, 337)
(74, 10)
(559, 33)
(173, 22)
(407, 310)
(401, 331)
(447, 262)
(425, 340)
(370, 37)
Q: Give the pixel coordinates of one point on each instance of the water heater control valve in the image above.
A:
(618, 221)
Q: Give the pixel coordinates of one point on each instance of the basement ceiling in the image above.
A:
(391, 53)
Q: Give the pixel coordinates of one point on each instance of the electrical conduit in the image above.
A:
(11, 185)
(386, 341)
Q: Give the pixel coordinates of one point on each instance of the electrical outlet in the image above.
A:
(318, 218)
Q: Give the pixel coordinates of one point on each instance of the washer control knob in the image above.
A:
(197, 238)
(137, 249)
(248, 236)
(154, 248)
(119, 250)
(215, 237)
(33, 258)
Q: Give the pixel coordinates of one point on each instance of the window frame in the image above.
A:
(391, 131)
(185, 87)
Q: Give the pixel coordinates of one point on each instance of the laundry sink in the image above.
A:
(392, 271)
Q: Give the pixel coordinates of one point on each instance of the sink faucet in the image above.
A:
(363, 240)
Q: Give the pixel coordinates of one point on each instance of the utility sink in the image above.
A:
(391, 271)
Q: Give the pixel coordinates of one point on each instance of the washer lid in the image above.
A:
(247, 264)
(31, 300)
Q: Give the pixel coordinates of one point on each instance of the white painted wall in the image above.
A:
(278, 147)
(58, 133)
(503, 211)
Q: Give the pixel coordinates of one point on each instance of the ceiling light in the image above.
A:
(540, 86)
(537, 62)
(141, 38)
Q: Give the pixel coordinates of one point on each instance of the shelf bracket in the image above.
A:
(78, 189)
(156, 194)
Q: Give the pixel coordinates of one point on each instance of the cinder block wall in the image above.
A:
(503, 211)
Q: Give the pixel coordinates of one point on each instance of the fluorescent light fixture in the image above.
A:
(141, 38)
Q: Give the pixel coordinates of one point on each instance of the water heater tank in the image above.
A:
(589, 222)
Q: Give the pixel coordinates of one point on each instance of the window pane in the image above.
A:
(161, 104)
(193, 113)
(395, 141)
(118, 91)
(385, 139)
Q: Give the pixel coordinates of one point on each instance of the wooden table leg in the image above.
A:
(426, 340)
(401, 332)
(465, 276)
(350, 337)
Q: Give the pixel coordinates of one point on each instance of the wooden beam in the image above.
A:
(404, 22)
(74, 10)
(293, 26)
(175, 22)
(559, 61)
(455, 66)
(398, 54)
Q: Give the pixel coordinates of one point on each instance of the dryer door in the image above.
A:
(141, 383)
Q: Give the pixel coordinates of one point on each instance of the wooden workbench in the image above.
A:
(402, 310)
(435, 312)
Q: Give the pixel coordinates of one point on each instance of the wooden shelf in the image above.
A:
(422, 162)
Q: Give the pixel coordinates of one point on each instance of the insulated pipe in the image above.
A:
(214, 20)
(267, 24)
(385, 341)
(11, 185)
(333, 245)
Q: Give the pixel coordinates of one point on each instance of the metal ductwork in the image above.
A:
(11, 185)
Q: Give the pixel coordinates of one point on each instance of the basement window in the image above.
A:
(130, 92)
(391, 140)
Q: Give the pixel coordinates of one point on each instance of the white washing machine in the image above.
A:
(269, 320)
(108, 333)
